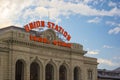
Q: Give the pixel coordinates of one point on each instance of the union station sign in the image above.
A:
(50, 25)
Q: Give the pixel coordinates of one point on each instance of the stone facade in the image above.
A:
(22, 59)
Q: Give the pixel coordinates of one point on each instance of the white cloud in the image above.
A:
(112, 4)
(95, 20)
(107, 46)
(93, 52)
(5, 25)
(106, 62)
(116, 57)
(111, 23)
(113, 12)
(12, 10)
(86, 1)
(94, 2)
(115, 30)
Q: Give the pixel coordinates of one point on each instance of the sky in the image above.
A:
(93, 23)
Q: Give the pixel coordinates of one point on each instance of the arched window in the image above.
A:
(49, 72)
(34, 71)
(19, 70)
(77, 73)
(62, 73)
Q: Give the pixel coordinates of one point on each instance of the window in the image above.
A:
(77, 73)
(90, 74)
(49, 72)
(19, 70)
(34, 71)
(62, 73)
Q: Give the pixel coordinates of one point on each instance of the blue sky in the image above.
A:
(93, 23)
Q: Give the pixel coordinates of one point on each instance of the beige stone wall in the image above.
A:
(3, 66)
(19, 47)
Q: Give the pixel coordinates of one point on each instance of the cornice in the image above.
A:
(43, 45)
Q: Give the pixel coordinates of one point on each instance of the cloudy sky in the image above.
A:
(93, 23)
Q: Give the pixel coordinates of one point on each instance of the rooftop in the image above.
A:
(109, 74)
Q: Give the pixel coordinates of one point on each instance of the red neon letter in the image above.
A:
(56, 27)
(65, 34)
(55, 42)
(68, 37)
(31, 37)
(42, 24)
(37, 23)
(48, 25)
(27, 28)
(51, 25)
(69, 45)
(32, 25)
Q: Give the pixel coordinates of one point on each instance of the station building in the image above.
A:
(22, 58)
